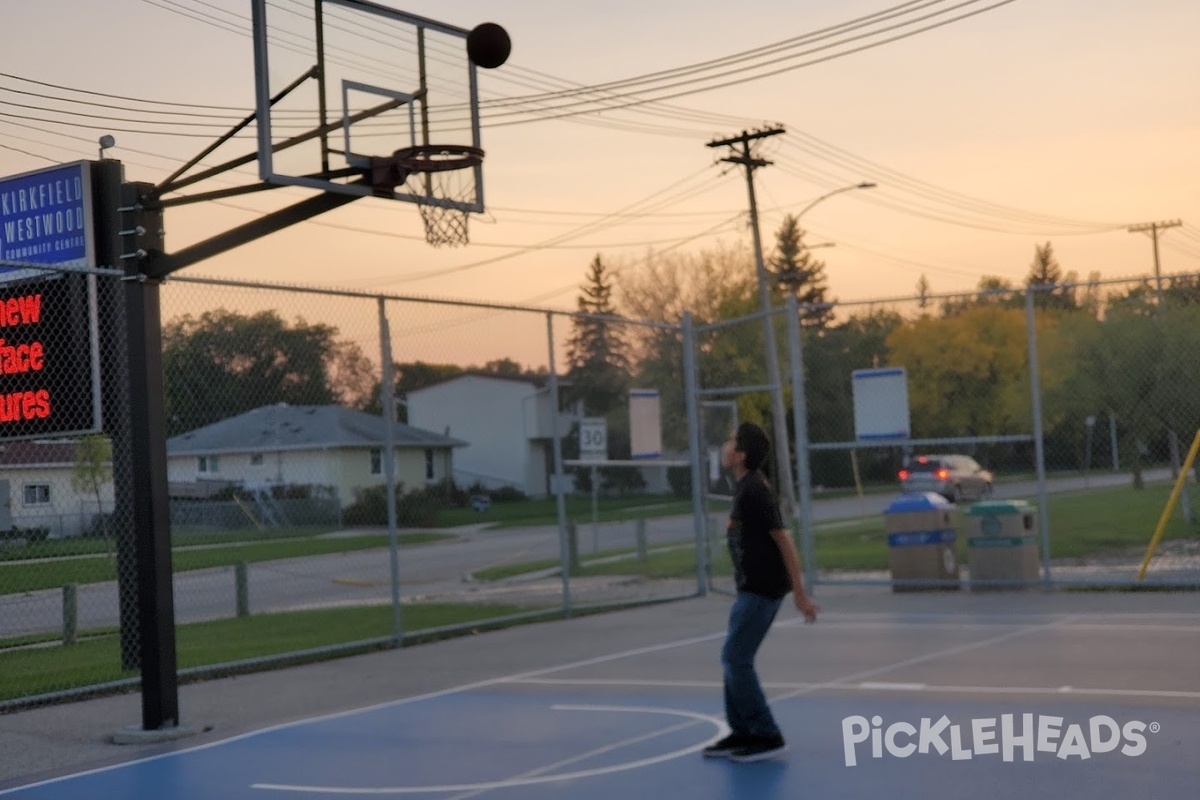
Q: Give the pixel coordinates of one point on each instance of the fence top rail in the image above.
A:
(635, 462)
(997, 292)
(865, 443)
(726, 323)
(400, 298)
(6, 263)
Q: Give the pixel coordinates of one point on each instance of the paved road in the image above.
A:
(428, 570)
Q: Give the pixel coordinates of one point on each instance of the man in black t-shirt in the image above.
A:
(766, 569)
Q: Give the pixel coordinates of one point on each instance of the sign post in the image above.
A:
(593, 446)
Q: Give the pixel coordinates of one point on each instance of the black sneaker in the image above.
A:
(726, 746)
(759, 750)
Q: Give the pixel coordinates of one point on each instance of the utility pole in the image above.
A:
(1153, 228)
(740, 145)
(1172, 437)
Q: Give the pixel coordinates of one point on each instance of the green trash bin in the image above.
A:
(1002, 545)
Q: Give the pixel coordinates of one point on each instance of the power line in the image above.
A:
(701, 67)
(639, 101)
(674, 194)
(28, 153)
(811, 145)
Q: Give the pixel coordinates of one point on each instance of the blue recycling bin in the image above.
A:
(922, 542)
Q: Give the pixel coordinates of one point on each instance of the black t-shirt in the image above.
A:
(758, 565)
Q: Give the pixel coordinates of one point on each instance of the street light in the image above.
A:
(863, 185)
(822, 198)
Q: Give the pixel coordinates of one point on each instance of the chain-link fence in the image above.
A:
(1054, 476)
(285, 540)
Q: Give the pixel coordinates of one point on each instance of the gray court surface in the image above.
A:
(930, 695)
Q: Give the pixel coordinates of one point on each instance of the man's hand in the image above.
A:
(805, 606)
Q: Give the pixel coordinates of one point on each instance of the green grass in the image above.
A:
(502, 571)
(1096, 524)
(23, 576)
(1113, 522)
(528, 513)
(38, 670)
(180, 537)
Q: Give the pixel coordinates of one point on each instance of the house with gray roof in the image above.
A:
(336, 449)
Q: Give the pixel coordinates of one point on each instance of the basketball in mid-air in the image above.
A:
(488, 45)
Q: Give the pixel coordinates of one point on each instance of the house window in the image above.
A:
(428, 464)
(207, 464)
(37, 494)
(376, 461)
(256, 459)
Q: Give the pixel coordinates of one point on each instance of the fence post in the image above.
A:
(242, 581)
(800, 420)
(1035, 390)
(565, 542)
(70, 611)
(387, 387)
(692, 396)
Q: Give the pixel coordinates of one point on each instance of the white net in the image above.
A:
(447, 180)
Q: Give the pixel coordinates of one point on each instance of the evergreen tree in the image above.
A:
(1044, 271)
(600, 375)
(799, 274)
(597, 354)
(923, 293)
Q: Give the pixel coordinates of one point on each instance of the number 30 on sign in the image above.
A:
(593, 439)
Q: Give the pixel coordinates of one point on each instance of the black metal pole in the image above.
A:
(151, 517)
(107, 177)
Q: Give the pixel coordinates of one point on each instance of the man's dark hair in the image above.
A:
(752, 440)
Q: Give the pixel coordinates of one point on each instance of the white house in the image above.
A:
(331, 447)
(36, 489)
(508, 422)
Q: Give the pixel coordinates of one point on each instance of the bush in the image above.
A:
(506, 494)
(448, 494)
(417, 509)
(30, 535)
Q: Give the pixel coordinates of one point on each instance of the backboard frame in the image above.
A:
(414, 97)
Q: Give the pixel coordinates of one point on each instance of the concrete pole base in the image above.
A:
(135, 734)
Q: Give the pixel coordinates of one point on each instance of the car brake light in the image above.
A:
(903, 474)
(943, 474)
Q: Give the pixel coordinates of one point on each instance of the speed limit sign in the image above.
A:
(593, 439)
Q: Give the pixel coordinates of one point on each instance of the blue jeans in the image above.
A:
(746, 708)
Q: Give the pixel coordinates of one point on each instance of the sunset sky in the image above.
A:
(1034, 121)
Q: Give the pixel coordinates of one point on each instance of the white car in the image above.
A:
(955, 478)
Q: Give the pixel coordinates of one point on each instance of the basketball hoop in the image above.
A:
(447, 171)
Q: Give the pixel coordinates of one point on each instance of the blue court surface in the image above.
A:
(873, 705)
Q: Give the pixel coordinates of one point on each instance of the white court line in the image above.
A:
(908, 662)
(645, 737)
(1133, 626)
(873, 686)
(526, 781)
(892, 687)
